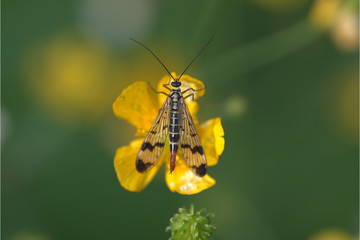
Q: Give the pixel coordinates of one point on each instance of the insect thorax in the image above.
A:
(175, 95)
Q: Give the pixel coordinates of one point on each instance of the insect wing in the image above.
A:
(153, 145)
(191, 148)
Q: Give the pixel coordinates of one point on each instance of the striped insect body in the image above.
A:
(174, 134)
(174, 122)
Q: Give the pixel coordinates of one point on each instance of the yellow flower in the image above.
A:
(139, 105)
(71, 78)
(332, 234)
(341, 19)
(323, 12)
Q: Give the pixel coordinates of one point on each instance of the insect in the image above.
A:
(174, 121)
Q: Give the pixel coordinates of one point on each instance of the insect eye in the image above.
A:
(176, 84)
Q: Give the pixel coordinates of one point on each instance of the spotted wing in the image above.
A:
(153, 145)
(191, 148)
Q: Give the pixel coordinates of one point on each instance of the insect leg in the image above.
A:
(190, 95)
(165, 86)
(155, 90)
(192, 90)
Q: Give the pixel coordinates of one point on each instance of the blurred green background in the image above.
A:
(282, 75)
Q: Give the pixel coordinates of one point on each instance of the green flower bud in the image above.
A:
(190, 225)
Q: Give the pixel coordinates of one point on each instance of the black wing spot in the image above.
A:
(147, 145)
(200, 170)
(198, 149)
(141, 166)
(185, 146)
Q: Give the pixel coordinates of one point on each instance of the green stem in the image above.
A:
(259, 53)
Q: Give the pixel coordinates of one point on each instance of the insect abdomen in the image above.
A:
(174, 135)
(174, 129)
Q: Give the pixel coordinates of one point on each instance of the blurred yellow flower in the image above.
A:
(71, 77)
(343, 99)
(340, 17)
(139, 105)
(323, 12)
(345, 31)
(29, 235)
(332, 234)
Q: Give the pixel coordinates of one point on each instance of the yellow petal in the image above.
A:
(186, 83)
(211, 135)
(190, 82)
(127, 174)
(332, 234)
(184, 181)
(323, 12)
(160, 88)
(138, 105)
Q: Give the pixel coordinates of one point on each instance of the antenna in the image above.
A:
(154, 56)
(196, 57)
